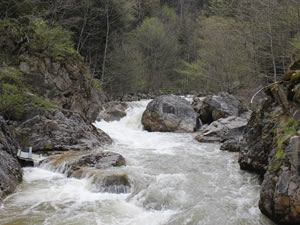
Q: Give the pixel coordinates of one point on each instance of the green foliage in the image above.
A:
(15, 100)
(38, 38)
(11, 102)
(15, 8)
(11, 75)
(286, 129)
(97, 84)
(54, 42)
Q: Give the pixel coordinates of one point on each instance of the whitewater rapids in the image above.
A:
(176, 181)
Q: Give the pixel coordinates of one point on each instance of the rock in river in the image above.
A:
(169, 113)
(214, 107)
(113, 111)
(223, 129)
(98, 166)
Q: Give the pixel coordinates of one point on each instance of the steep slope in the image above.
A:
(272, 148)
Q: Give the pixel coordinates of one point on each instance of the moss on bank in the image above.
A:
(36, 61)
(285, 129)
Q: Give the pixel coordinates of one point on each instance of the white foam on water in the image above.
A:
(176, 181)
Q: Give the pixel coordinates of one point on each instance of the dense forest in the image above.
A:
(163, 45)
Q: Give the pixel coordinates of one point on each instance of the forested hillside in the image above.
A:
(169, 45)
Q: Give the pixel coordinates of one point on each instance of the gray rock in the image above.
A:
(10, 170)
(60, 130)
(224, 129)
(214, 107)
(67, 85)
(95, 165)
(293, 153)
(169, 113)
(113, 111)
(257, 143)
(231, 145)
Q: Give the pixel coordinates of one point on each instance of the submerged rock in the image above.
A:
(214, 107)
(232, 145)
(60, 130)
(169, 113)
(10, 169)
(94, 165)
(113, 111)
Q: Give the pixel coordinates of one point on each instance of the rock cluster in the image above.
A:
(214, 107)
(224, 114)
(228, 130)
(170, 113)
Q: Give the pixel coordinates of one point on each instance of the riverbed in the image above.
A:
(175, 181)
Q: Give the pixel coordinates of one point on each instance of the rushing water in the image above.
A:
(176, 181)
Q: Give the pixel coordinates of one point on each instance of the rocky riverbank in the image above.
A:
(49, 100)
(10, 169)
(271, 148)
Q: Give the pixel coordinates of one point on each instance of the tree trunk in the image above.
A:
(106, 44)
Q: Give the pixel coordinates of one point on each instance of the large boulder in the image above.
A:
(10, 169)
(214, 107)
(60, 130)
(113, 111)
(169, 113)
(223, 129)
(95, 165)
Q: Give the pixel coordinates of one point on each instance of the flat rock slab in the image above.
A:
(223, 129)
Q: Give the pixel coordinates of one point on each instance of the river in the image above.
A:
(176, 181)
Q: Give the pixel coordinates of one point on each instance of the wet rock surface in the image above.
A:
(271, 147)
(10, 169)
(170, 113)
(223, 129)
(214, 107)
(113, 111)
(60, 130)
(98, 166)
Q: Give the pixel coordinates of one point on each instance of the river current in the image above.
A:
(176, 181)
